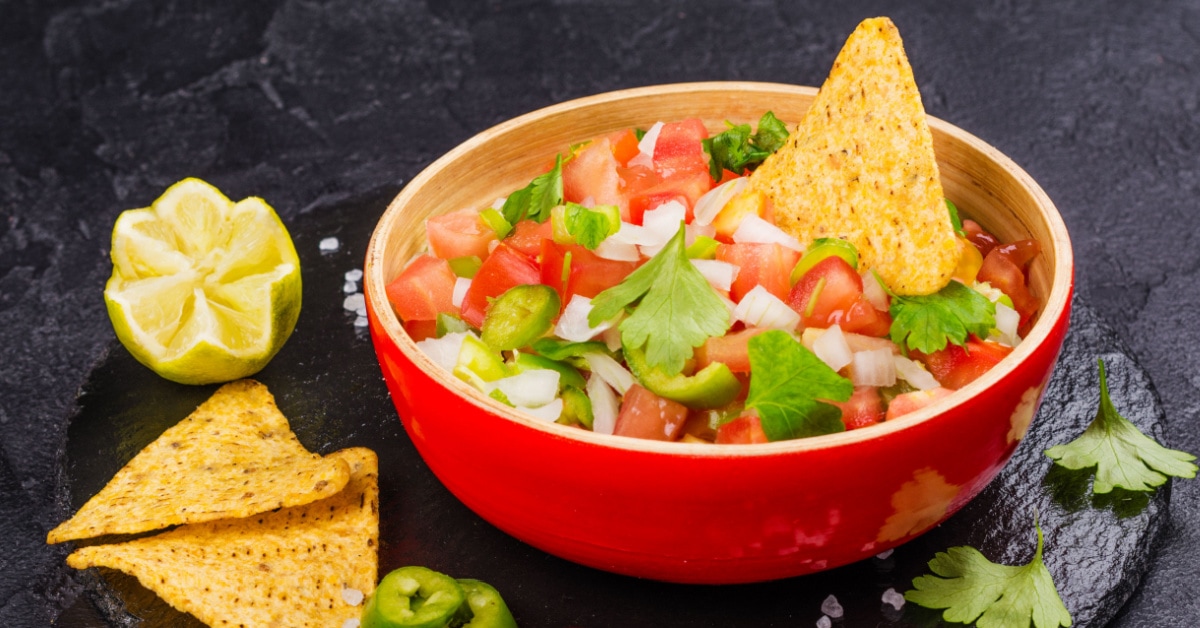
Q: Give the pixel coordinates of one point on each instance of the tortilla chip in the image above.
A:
(284, 568)
(860, 166)
(235, 456)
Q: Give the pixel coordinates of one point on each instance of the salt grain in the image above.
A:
(824, 622)
(349, 287)
(831, 607)
(895, 599)
(361, 321)
(353, 597)
(351, 623)
(884, 554)
(354, 275)
(354, 303)
(328, 245)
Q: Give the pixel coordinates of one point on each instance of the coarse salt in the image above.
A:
(353, 622)
(355, 303)
(895, 599)
(831, 607)
(824, 622)
(354, 274)
(884, 555)
(329, 245)
(353, 597)
(349, 287)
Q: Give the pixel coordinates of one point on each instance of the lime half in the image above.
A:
(203, 290)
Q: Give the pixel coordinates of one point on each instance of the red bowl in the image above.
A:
(696, 512)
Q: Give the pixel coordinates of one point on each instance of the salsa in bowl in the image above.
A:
(697, 512)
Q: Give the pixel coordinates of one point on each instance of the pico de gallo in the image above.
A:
(640, 287)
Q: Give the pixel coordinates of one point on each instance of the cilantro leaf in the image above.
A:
(1123, 456)
(536, 200)
(955, 219)
(590, 226)
(678, 309)
(974, 589)
(927, 323)
(786, 381)
(736, 149)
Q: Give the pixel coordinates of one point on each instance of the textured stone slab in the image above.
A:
(328, 384)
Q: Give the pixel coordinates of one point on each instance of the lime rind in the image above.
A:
(203, 290)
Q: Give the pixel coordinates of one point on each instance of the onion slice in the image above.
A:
(760, 308)
(610, 371)
(720, 275)
(573, 324)
(605, 405)
(914, 373)
(530, 389)
(873, 368)
(831, 347)
(444, 351)
(756, 230)
(713, 201)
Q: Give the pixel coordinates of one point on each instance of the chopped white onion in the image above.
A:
(873, 291)
(719, 274)
(756, 230)
(693, 231)
(612, 338)
(610, 371)
(650, 140)
(532, 388)
(660, 225)
(548, 412)
(605, 405)
(499, 203)
(712, 202)
(612, 249)
(573, 324)
(873, 368)
(444, 351)
(630, 233)
(461, 285)
(730, 306)
(1007, 320)
(914, 373)
(760, 308)
(831, 347)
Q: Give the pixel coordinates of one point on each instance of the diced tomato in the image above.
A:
(826, 293)
(678, 147)
(863, 318)
(913, 401)
(683, 185)
(744, 429)
(592, 174)
(769, 265)
(423, 289)
(527, 237)
(624, 145)
(865, 407)
(1003, 268)
(420, 330)
(503, 269)
(646, 415)
(459, 234)
(982, 240)
(955, 366)
(732, 350)
(588, 275)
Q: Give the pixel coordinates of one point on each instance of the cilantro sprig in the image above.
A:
(974, 589)
(1123, 456)
(676, 308)
(927, 323)
(737, 149)
(786, 382)
(588, 226)
(536, 200)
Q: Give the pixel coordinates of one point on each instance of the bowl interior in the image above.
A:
(986, 185)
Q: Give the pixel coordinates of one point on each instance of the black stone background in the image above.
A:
(328, 107)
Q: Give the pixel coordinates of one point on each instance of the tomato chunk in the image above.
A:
(744, 429)
(769, 265)
(592, 175)
(913, 401)
(527, 237)
(646, 415)
(503, 269)
(588, 275)
(732, 350)
(624, 145)
(1003, 268)
(423, 289)
(826, 292)
(863, 408)
(459, 234)
(955, 366)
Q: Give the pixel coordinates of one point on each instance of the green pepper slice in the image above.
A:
(711, 387)
(822, 248)
(466, 266)
(489, 608)
(417, 597)
(577, 408)
(477, 362)
(519, 316)
(448, 324)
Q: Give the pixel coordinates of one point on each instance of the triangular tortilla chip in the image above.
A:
(860, 166)
(235, 456)
(286, 568)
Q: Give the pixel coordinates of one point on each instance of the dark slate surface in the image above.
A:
(318, 105)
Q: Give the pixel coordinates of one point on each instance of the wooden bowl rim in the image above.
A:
(1056, 306)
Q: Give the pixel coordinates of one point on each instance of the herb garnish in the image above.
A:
(1122, 455)
(678, 309)
(536, 200)
(974, 589)
(928, 322)
(736, 149)
(786, 381)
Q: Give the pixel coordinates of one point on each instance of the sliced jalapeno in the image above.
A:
(449, 323)
(577, 408)
(711, 387)
(465, 266)
(822, 248)
(487, 605)
(519, 316)
(417, 597)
